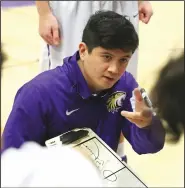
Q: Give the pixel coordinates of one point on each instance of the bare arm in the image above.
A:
(43, 7)
(48, 24)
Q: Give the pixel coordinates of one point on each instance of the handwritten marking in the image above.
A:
(101, 164)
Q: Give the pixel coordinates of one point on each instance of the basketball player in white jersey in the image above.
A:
(34, 166)
(61, 24)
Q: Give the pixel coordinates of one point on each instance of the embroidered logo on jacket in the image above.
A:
(115, 101)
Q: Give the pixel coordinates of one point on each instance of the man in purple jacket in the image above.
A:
(91, 89)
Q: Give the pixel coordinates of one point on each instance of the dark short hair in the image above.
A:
(110, 30)
(168, 96)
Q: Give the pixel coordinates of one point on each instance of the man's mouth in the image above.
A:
(110, 79)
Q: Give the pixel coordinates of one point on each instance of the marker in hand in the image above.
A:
(147, 99)
(142, 114)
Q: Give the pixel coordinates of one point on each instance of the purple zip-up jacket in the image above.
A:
(59, 100)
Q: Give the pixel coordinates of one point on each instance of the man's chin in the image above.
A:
(106, 86)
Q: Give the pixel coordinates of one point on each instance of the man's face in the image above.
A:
(102, 68)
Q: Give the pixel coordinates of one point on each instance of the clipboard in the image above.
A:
(114, 172)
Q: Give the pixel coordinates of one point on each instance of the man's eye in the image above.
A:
(124, 60)
(107, 57)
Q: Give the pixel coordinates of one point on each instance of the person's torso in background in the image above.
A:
(73, 16)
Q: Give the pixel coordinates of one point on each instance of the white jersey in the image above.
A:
(36, 166)
(72, 17)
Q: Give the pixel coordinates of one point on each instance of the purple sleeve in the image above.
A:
(143, 140)
(26, 120)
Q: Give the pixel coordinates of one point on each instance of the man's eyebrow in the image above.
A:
(108, 53)
(128, 56)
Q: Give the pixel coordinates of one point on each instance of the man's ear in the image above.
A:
(83, 50)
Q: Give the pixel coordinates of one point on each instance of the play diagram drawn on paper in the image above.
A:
(113, 171)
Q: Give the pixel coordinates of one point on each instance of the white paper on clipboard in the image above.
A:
(114, 172)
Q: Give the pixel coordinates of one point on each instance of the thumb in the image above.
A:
(138, 95)
(147, 112)
(141, 16)
(146, 19)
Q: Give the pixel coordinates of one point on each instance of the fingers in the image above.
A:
(139, 123)
(145, 17)
(141, 17)
(138, 95)
(133, 115)
(56, 37)
(49, 29)
(143, 115)
(48, 39)
(47, 36)
(52, 36)
(140, 119)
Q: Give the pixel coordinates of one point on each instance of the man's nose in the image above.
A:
(113, 68)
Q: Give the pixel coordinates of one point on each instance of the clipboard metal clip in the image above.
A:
(73, 136)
